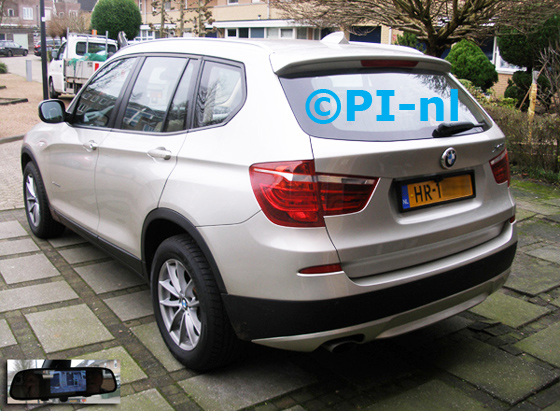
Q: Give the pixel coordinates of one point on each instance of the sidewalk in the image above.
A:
(17, 119)
(66, 299)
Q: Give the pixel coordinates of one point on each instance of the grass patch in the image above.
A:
(536, 188)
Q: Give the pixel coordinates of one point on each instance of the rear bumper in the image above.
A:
(305, 325)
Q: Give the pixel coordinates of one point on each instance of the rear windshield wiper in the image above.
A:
(449, 129)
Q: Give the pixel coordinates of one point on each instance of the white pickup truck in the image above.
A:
(76, 60)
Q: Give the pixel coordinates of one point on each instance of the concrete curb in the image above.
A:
(11, 139)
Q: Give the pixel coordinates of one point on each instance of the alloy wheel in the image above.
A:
(179, 305)
(31, 200)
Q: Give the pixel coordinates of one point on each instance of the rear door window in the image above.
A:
(379, 105)
(220, 94)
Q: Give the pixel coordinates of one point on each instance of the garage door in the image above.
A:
(22, 40)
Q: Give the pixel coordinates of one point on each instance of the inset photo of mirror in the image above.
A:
(64, 381)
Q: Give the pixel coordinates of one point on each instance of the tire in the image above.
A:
(24, 53)
(52, 91)
(188, 307)
(37, 208)
(10, 54)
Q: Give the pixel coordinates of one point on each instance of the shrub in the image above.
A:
(469, 62)
(539, 156)
(3, 68)
(475, 91)
(523, 49)
(410, 40)
(114, 16)
(519, 85)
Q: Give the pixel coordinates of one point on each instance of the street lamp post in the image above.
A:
(44, 50)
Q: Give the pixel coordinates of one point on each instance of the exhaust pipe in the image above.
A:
(342, 344)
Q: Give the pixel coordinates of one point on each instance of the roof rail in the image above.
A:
(96, 36)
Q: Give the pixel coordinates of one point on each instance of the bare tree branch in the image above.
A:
(58, 26)
(439, 23)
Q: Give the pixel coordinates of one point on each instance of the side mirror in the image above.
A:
(47, 383)
(54, 54)
(52, 111)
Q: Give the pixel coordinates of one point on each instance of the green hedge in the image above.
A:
(3, 68)
(537, 157)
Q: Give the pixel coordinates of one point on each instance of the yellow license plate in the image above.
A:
(436, 191)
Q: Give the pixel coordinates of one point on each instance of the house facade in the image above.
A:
(21, 18)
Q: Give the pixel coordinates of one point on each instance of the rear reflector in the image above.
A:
(322, 269)
(500, 168)
(291, 194)
(389, 63)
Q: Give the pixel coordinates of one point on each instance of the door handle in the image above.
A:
(91, 145)
(160, 153)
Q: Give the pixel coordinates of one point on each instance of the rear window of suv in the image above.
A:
(379, 105)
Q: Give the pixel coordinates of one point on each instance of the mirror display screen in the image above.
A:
(67, 381)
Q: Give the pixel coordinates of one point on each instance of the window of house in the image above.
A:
(28, 13)
(301, 33)
(152, 93)
(61, 14)
(220, 94)
(231, 33)
(232, 1)
(11, 13)
(502, 65)
(140, 2)
(73, 13)
(97, 101)
(167, 5)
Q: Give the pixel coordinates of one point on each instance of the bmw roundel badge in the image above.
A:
(448, 158)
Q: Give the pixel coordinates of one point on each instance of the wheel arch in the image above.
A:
(163, 223)
(25, 158)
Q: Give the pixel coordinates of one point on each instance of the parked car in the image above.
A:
(51, 44)
(217, 169)
(9, 48)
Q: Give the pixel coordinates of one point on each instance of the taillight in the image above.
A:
(292, 194)
(500, 168)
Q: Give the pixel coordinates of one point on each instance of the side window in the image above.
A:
(152, 93)
(81, 48)
(94, 48)
(220, 94)
(61, 51)
(97, 101)
(180, 107)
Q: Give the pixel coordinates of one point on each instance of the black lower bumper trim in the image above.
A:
(254, 318)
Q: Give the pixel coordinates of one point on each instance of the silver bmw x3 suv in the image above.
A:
(289, 193)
